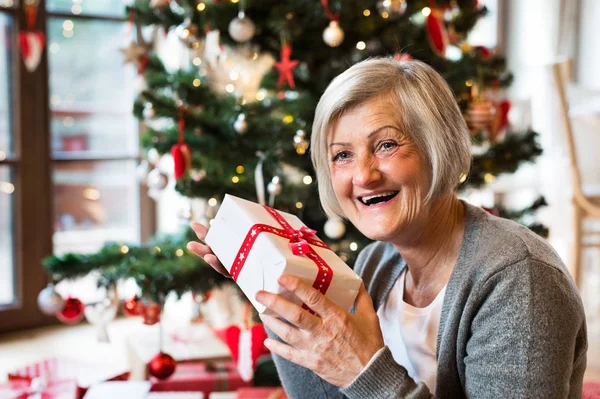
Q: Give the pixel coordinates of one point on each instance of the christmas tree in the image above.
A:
(231, 131)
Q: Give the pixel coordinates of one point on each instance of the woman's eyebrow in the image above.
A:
(374, 132)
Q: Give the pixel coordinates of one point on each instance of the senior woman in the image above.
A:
(455, 302)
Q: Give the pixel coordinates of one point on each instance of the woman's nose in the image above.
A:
(366, 172)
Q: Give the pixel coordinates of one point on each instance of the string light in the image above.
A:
(68, 24)
(240, 169)
(197, 82)
(91, 194)
(233, 75)
(307, 180)
(235, 179)
(288, 119)
(361, 45)
(261, 94)
(299, 205)
(212, 202)
(179, 252)
(197, 61)
(157, 250)
(201, 6)
(469, 83)
(124, 249)
(385, 15)
(366, 13)
(229, 88)
(353, 246)
(7, 188)
(426, 11)
(234, 1)
(488, 177)
(76, 9)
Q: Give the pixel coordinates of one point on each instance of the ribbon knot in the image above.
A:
(298, 243)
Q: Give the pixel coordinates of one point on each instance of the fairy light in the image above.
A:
(239, 169)
(229, 88)
(426, 11)
(91, 194)
(201, 6)
(124, 249)
(197, 82)
(233, 75)
(235, 179)
(469, 83)
(68, 24)
(261, 94)
(6, 187)
(366, 13)
(288, 119)
(488, 177)
(212, 202)
(235, 1)
(299, 205)
(179, 252)
(353, 246)
(385, 15)
(307, 180)
(157, 250)
(361, 45)
(197, 61)
(76, 9)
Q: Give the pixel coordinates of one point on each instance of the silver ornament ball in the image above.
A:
(334, 228)
(49, 301)
(274, 187)
(240, 125)
(333, 35)
(241, 29)
(157, 180)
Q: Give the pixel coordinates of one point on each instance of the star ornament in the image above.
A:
(286, 67)
(133, 53)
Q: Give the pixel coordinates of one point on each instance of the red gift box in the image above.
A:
(39, 388)
(57, 369)
(198, 377)
(261, 393)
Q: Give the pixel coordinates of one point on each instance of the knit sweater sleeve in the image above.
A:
(527, 336)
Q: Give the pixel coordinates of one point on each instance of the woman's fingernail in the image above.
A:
(284, 280)
(260, 296)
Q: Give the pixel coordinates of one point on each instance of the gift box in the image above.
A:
(39, 388)
(194, 343)
(201, 377)
(57, 369)
(257, 244)
(261, 393)
(118, 390)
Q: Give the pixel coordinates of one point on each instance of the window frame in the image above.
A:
(31, 160)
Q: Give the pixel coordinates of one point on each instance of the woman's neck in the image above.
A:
(432, 253)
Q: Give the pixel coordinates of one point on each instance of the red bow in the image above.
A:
(298, 243)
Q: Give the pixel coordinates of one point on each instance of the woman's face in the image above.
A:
(377, 172)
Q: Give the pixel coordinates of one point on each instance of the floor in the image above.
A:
(79, 342)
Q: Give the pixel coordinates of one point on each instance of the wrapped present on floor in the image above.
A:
(201, 377)
(118, 390)
(193, 343)
(39, 388)
(57, 369)
(258, 244)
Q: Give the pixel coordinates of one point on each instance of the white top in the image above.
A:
(411, 333)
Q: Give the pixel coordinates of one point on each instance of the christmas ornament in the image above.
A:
(101, 313)
(151, 314)
(333, 35)
(31, 41)
(274, 187)
(480, 114)
(241, 29)
(157, 180)
(187, 32)
(286, 67)
(334, 228)
(72, 313)
(162, 366)
(49, 301)
(133, 307)
(300, 142)
(182, 157)
(159, 3)
(133, 53)
(391, 8)
(153, 156)
(500, 121)
(436, 30)
(240, 125)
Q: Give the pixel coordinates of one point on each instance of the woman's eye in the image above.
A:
(341, 156)
(388, 145)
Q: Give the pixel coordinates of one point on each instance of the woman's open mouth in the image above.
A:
(378, 198)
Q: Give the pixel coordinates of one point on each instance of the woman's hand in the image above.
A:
(203, 250)
(336, 345)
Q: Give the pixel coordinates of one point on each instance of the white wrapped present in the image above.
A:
(258, 244)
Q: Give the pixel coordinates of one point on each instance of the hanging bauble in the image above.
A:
(241, 28)
(300, 142)
(187, 32)
(72, 313)
(391, 8)
(159, 3)
(274, 187)
(49, 301)
(436, 32)
(101, 313)
(333, 35)
(148, 112)
(334, 228)
(153, 156)
(151, 314)
(157, 180)
(480, 115)
(182, 158)
(162, 366)
(133, 307)
(240, 125)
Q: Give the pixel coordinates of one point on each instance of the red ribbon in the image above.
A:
(328, 13)
(300, 242)
(42, 389)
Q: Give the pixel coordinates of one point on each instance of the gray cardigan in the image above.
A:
(512, 323)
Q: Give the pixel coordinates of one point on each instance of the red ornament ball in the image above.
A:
(72, 313)
(162, 366)
(151, 314)
(133, 307)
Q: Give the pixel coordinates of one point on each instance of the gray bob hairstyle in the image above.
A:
(427, 113)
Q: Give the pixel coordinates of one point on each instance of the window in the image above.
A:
(68, 148)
